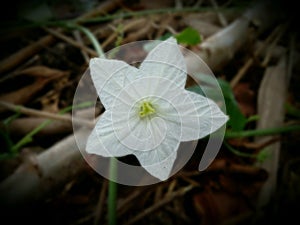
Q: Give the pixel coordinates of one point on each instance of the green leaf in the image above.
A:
(165, 36)
(292, 110)
(196, 89)
(237, 120)
(188, 36)
(263, 155)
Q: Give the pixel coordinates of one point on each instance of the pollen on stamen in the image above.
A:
(146, 109)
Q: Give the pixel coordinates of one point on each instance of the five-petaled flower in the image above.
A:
(148, 111)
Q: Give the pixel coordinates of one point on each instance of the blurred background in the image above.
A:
(251, 47)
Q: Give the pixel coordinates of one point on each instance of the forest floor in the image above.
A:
(43, 58)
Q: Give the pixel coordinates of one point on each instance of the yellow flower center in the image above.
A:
(146, 109)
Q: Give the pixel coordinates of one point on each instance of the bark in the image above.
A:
(23, 126)
(37, 178)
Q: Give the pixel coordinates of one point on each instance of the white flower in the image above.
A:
(148, 112)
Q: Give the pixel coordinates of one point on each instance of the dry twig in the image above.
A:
(27, 52)
(78, 38)
(20, 56)
(161, 203)
(71, 41)
(100, 204)
(34, 112)
(220, 48)
(276, 34)
(221, 17)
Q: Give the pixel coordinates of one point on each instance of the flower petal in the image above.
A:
(137, 135)
(163, 169)
(110, 77)
(199, 115)
(148, 88)
(159, 160)
(166, 60)
(211, 117)
(103, 141)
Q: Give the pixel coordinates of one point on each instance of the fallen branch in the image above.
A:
(221, 47)
(22, 126)
(36, 179)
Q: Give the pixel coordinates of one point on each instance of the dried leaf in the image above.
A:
(43, 75)
(271, 98)
(24, 94)
(245, 98)
(215, 207)
(43, 71)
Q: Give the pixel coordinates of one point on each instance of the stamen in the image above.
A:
(146, 109)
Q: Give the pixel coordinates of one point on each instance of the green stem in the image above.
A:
(90, 36)
(292, 110)
(262, 132)
(112, 187)
(239, 153)
(112, 192)
(123, 15)
(11, 26)
(28, 137)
